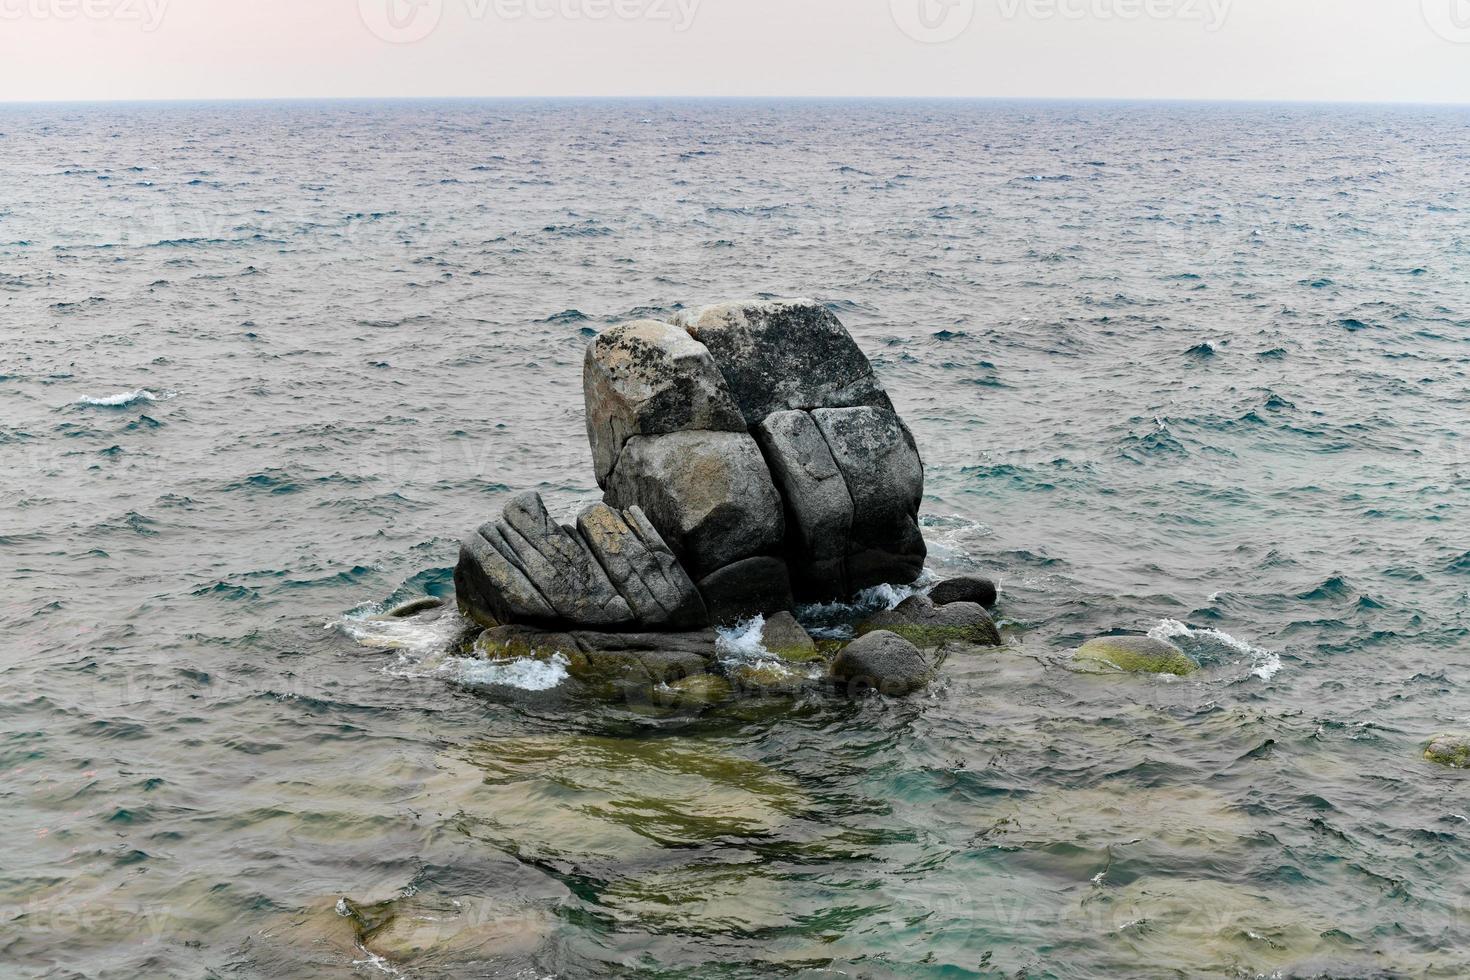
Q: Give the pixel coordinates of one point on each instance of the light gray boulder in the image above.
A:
(650, 378)
(785, 354)
(882, 662)
(642, 568)
(709, 494)
(880, 465)
(754, 587)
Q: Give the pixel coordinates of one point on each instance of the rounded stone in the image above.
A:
(881, 661)
(965, 588)
(1138, 655)
(918, 620)
(1449, 750)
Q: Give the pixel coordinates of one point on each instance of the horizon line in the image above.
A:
(1066, 99)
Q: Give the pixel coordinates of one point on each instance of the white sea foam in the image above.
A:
(1265, 664)
(424, 645)
(742, 642)
(527, 674)
(123, 399)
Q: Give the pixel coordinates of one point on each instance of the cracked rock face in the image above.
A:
(709, 494)
(786, 354)
(649, 378)
(748, 456)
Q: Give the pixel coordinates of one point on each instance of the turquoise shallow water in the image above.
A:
(1190, 369)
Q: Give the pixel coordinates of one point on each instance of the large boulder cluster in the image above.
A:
(748, 457)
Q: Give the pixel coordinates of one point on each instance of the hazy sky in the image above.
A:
(1399, 50)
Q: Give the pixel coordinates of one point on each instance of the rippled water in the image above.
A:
(1201, 371)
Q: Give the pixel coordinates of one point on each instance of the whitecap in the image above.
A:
(123, 399)
(1265, 664)
(743, 641)
(526, 674)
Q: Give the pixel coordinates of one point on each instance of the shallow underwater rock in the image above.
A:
(753, 587)
(1449, 750)
(643, 568)
(918, 620)
(1138, 655)
(768, 677)
(784, 354)
(650, 378)
(881, 661)
(699, 690)
(786, 638)
(596, 799)
(412, 608)
(965, 588)
(709, 494)
(447, 931)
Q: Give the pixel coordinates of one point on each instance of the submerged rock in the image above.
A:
(650, 378)
(1138, 655)
(709, 494)
(768, 677)
(784, 637)
(412, 608)
(785, 354)
(457, 932)
(918, 620)
(1449, 750)
(746, 589)
(881, 661)
(965, 588)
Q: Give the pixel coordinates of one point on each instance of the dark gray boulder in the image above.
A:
(709, 494)
(880, 465)
(561, 567)
(918, 620)
(754, 587)
(965, 588)
(650, 378)
(785, 354)
(642, 568)
(882, 662)
(490, 588)
(818, 504)
(597, 657)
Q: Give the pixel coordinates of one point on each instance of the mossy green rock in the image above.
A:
(1138, 655)
(925, 625)
(767, 677)
(784, 637)
(1449, 750)
(700, 690)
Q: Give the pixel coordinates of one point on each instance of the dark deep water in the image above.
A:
(1200, 370)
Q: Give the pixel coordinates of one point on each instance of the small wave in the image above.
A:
(525, 674)
(425, 646)
(123, 399)
(1264, 663)
(742, 642)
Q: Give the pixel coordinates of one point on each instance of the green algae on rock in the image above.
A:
(1138, 655)
(1449, 750)
(927, 626)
